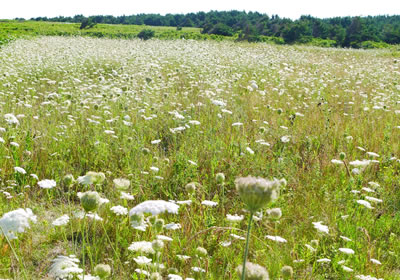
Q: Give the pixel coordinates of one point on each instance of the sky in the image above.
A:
(284, 8)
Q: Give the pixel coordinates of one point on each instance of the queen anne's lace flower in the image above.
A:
(16, 221)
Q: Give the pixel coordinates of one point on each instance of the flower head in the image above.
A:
(257, 192)
(253, 272)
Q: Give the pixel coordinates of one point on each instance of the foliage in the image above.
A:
(146, 34)
(346, 31)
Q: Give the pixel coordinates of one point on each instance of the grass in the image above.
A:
(86, 104)
(11, 29)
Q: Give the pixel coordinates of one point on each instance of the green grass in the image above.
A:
(10, 29)
(68, 93)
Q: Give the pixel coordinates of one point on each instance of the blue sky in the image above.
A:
(284, 8)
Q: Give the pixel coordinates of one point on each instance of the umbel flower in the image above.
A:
(257, 192)
(16, 221)
(253, 272)
(90, 201)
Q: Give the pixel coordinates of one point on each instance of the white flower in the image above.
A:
(372, 154)
(172, 226)
(237, 124)
(373, 199)
(164, 238)
(19, 170)
(47, 184)
(142, 272)
(198, 269)
(347, 269)
(142, 260)
(126, 196)
(285, 139)
(218, 102)
(64, 267)
(11, 119)
(209, 203)
(121, 183)
(345, 238)
(375, 261)
(142, 247)
(119, 210)
(16, 221)
(250, 151)
(367, 277)
(154, 142)
(61, 221)
(365, 203)
(234, 218)
(320, 227)
(154, 207)
(324, 260)
(360, 163)
(337, 161)
(347, 251)
(276, 238)
(174, 277)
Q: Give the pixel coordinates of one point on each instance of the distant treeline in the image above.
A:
(253, 26)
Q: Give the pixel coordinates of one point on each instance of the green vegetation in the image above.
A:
(10, 30)
(146, 157)
(343, 31)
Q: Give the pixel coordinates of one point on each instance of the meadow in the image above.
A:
(12, 29)
(134, 155)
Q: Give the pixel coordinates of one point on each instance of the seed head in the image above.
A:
(287, 272)
(253, 272)
(256, 192)
(90, 201)
(102, 270)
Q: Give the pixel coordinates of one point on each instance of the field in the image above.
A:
(11, 29)
(159, 120)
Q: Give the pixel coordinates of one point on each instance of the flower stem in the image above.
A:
(246, 250)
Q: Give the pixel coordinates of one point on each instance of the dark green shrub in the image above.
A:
(146, 34)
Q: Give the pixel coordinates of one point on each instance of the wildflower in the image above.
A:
(275, 213)
(61, 221)
(19, 170)
(285, 139)
(154, 207)
(320, 227)
(201, 252)
(90, 201)
(324, 260)
(142, 247)
(11, 119)
(102, 270)
(276, 238)
(347, 269)
(157, 245)
(142, 260)
(253, 272)
(119, 210)
(47, 184)
(287, 272)
(121, 184)
(16, 221)
(209, 203)
(336, 161)
(126, 196)
(365, 203)
(173, 226)
(347, 251)
(257, 192)
(64, 267)
(234, 218)
(375, 261)
(220, 178)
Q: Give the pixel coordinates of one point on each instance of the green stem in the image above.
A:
(15, 253)
(83, 245)
(246, 250)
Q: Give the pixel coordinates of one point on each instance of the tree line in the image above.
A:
(253, 26)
